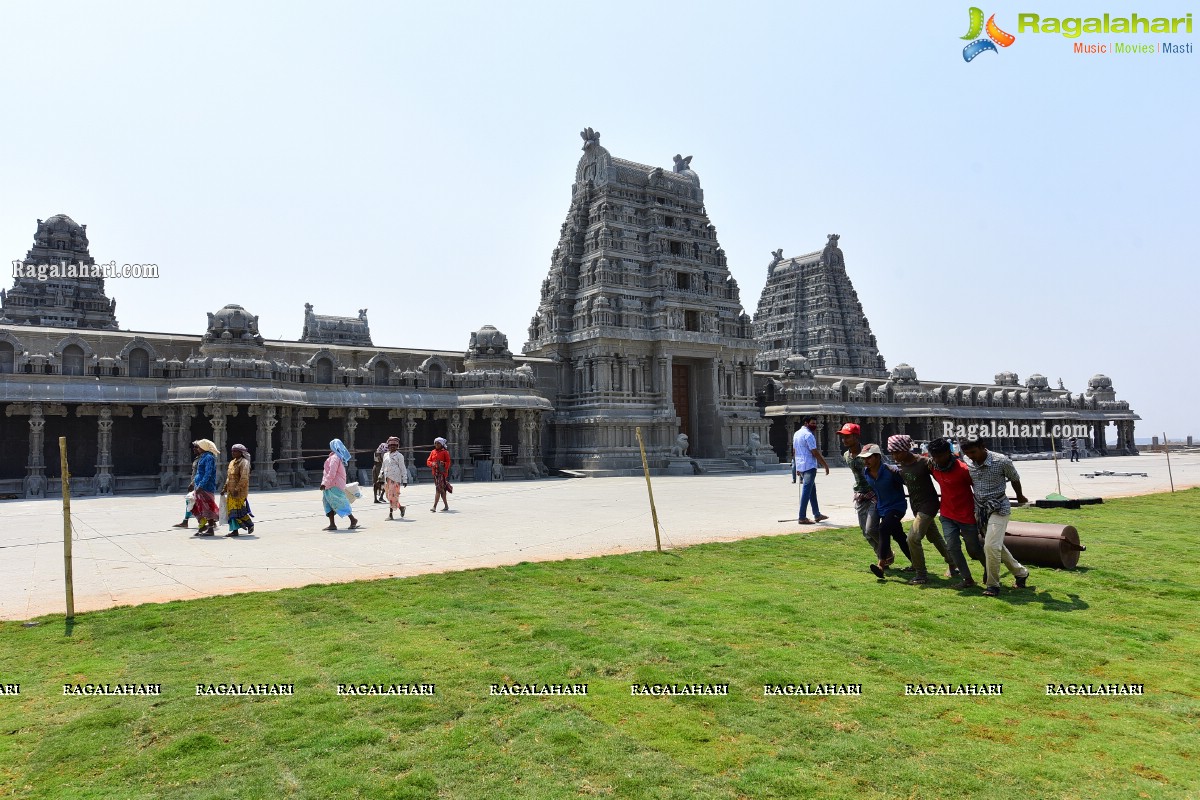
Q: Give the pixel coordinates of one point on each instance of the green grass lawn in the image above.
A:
(787, 609)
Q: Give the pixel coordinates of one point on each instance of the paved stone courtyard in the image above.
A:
(125, 551)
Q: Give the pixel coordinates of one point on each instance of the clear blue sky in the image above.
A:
(1033, 210)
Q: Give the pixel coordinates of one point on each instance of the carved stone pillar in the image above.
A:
(218, 414)
(525, 434)
(497, 417)
(170, 440)
(264, 474)
(183, 444)
(456, 437)
(35, 469)
(349, 426)
(299, 474)
(464, 448)
(286, 454)
(104, 479)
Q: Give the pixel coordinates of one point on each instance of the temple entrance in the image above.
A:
(681, 396)
(693, 385)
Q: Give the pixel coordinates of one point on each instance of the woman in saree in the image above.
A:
(439, 463)
(204, 486)
(237, 490)
(333, 485)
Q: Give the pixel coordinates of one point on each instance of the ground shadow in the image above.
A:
(1024, 597)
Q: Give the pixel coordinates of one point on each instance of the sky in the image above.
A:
(1032, 210)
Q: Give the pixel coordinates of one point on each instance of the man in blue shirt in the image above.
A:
(885, 481)
(808, 456)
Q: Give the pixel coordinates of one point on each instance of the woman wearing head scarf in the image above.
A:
(377, 471)
(333, 485)
(237, 489)
(439, 463)
(395, 473)
(204, 484)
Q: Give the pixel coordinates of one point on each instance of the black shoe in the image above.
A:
(878, 571)
(202, 533)
(909, 568)
(919, 580)
(231, 533)
(991, 591)
(1021, 581)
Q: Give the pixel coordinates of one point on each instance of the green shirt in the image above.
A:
(857, 465)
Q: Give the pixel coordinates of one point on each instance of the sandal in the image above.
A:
(329, 528)
(991, 591)
(918, 581)
(964, 584)
(878, 571)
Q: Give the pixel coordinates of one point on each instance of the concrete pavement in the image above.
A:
(125, 551)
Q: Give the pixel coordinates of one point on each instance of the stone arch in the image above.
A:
(380, 368)
(72, 355)
(324, 365)
(11, 351)
(73, 339)
(133, 365)
(435, 370)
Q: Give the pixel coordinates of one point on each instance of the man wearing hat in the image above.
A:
(395, 474)
(886, 483)
(864, 498)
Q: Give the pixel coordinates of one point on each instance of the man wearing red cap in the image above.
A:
(864, 497)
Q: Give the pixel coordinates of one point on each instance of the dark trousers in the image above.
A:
(891, 529)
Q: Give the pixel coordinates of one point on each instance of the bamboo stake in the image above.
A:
(649, 488)
(1057, 478)
(66, 497)
(1167, 450)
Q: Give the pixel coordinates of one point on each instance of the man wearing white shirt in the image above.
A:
(808, 457)
(395, 475)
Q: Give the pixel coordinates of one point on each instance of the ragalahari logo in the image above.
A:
(995, 36)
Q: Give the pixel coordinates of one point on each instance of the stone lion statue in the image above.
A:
(681, 446)
(755, 442)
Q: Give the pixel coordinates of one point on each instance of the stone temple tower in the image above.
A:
(809, 307)
(644, 321)
(62, 302)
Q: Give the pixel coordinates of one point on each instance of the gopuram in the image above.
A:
(818, 357)
(639, 326)
(644, 323)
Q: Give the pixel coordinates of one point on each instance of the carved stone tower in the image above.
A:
(644, 320)
(73, 301)
(809, 307)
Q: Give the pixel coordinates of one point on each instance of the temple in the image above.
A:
(809, 306)
(644, 323)
(58, 302)
(639, 338)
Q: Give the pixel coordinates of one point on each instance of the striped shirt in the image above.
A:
(989, 478)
